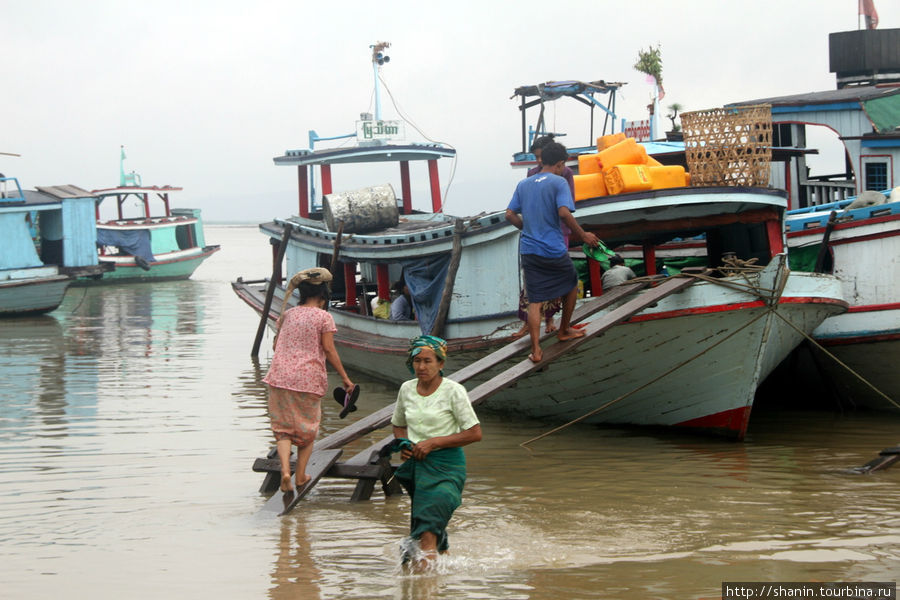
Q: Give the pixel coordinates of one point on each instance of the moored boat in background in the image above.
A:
(154, 245)
(46, 239)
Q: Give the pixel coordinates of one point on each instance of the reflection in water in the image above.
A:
(130, 418)
(295, 573)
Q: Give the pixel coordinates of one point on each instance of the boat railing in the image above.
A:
(822, 191)
(10, 190)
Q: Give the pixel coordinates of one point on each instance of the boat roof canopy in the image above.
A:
(136, 189)
(861, 93)
(365, 154)
(552, 90)
(881, 103)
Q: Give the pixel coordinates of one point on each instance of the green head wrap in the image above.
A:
(426, 341)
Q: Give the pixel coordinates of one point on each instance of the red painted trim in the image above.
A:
(721, 308)
(405, 188)
(775, 234)
(594, 271)
(384, 281)
(865, 238)
(851, 225)
(859, 339)
(792, 202)
(649, 252)
(350, 283)
(732, 422)
(171, 261)
(146, 205)
(325, 171)
(434, 178)
(303, 188)
(860, 308)
(165, 199)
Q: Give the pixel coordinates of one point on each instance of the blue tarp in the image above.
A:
(135, 242)
(425, 279)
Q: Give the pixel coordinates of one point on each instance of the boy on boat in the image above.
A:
(539, 207)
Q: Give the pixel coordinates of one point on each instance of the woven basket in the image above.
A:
(729, 146)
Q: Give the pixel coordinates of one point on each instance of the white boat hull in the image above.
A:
(866, 256)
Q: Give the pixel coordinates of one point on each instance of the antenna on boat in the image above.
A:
(378, 59)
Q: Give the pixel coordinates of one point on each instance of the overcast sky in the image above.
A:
(204, 94)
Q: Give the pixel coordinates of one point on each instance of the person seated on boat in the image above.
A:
(616, 274)
(539, 205)
(381, 308)
(297, 379)
(434, 419)
(401, 307)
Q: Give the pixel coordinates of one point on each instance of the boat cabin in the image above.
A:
(864, 112)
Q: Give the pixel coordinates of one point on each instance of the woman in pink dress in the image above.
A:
(297, 378)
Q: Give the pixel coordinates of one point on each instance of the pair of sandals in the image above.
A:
(347, 399)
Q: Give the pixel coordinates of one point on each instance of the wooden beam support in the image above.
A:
(434, 179)
(405, 188)
(350, 284)
(384, 281)
(303, 189)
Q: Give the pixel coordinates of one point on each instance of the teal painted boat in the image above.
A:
(158, 244)
(47, 238)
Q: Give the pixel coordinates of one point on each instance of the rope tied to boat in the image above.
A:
(735, 266)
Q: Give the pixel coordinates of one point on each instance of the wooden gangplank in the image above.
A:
(281, 503)
(381, 418)
(508, 377)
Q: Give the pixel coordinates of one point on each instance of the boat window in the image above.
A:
(876, 175)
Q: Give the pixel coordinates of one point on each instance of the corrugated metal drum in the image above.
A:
(364, 210)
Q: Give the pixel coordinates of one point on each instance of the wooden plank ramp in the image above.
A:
(281, 503)
(381, 418)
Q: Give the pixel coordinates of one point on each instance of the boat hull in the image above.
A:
(864, 248)
(33, 295)
(693, 361)
(166, 267)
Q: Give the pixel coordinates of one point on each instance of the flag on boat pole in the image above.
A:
(867, 9)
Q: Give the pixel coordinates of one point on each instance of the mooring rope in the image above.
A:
(840, 362)
(651, 382)
(771, 309)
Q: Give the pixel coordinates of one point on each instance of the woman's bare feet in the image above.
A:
(286, 483)
(536, 357)
(301, 481)
(521, 332)
(569, 334)
(551, 326)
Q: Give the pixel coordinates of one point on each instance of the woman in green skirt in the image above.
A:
(435, 416)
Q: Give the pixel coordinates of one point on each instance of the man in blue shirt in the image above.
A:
(539, 206)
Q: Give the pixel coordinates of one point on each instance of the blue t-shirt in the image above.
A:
(538, 199)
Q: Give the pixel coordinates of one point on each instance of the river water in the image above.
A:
(130, 418)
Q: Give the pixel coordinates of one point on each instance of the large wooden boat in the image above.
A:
(160, 243)
(693, 360)
(45, 242)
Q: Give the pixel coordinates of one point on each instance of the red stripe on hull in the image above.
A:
(874, 307)
(731, 423)
(859, 339)
(719, 308)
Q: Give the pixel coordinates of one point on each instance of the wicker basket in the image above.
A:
(729, 146)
